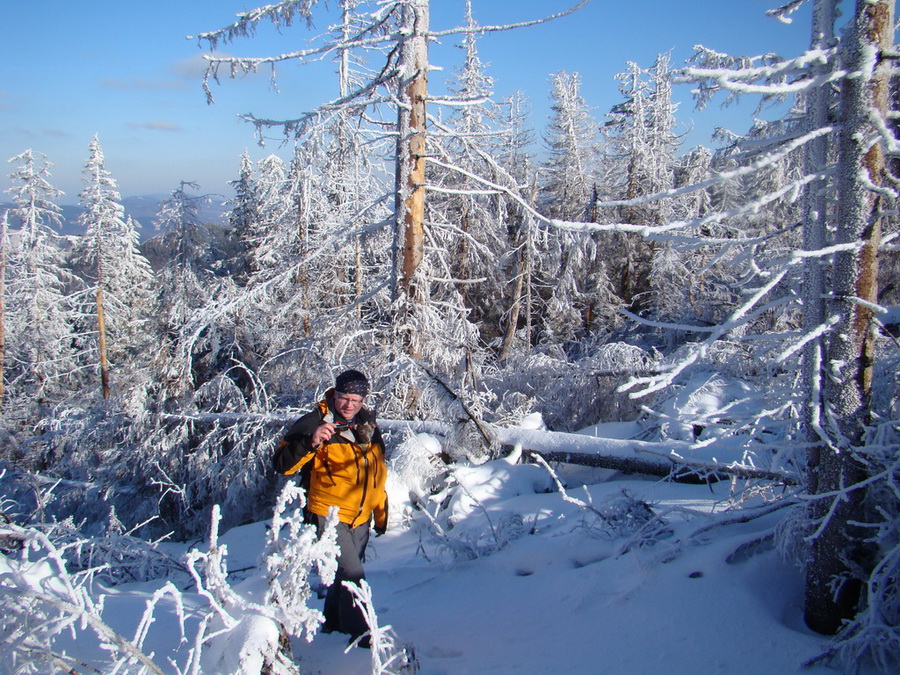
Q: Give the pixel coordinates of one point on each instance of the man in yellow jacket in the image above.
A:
(343, 445)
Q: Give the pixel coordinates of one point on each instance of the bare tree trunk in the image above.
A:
(359, 275)
(815, 239)
(833, 583)
(302, 275)
(410, 175)
(512, 319)
(529, 286)
(101, 332)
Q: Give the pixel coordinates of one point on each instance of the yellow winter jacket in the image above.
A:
(345, 472)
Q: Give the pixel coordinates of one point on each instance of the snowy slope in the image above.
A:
(510, 575)
(561, 601)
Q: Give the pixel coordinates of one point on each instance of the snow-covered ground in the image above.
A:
(559, 599)
(524, 579)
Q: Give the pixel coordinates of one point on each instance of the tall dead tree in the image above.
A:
(836, 470)
(409, 213)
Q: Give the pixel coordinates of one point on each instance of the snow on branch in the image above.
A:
(40, 599)
(480, 30)
(299, 126)
(810, 336)
(741, 74)
(739, 79)
(387, 656)
(656, 230)
(654, 383)
(782, 13)
(281, 14)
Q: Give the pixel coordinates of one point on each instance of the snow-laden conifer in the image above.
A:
(40, 358)
(118, 294)
(187, 283)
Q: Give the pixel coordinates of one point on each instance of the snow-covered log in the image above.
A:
(668, 458)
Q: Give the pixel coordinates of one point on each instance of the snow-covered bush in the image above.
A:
(160, 470)
(48, 609)
(388, 657)
(462, 519)
(292, 550)
(60, 616)
(417, 469)
(245, 627)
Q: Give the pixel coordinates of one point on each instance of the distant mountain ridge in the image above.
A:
(142, 208)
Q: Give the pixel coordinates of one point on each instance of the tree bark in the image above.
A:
(837, 555)
(410, 174)
(815, 224)
(512, 320)
(101, 333)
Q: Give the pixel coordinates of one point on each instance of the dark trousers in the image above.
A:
(341, 614)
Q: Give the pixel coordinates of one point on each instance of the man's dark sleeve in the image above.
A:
(296, 443)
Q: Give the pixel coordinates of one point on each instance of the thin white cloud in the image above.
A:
(156, 125)
(191, 68)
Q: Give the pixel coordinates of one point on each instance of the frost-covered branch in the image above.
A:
(479, 30)
(657, 382)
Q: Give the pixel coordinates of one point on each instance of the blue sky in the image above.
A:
(125, 70)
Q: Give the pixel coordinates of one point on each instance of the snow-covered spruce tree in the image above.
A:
(462, 221)
(465, 227)
(241, 218)
(567, 191)
(307, 301)
(345, 245)
(570, 171)
(187, 282)
(4, 256)
(680, 277)
(117, 300)
(582, 302)
(235, 329)
(40, 366)
(639, 160)
(267, 230)
(518, 265)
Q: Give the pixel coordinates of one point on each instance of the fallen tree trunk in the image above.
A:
(680, 471)
(667, 460)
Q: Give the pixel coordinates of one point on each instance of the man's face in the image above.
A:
(347, 405)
